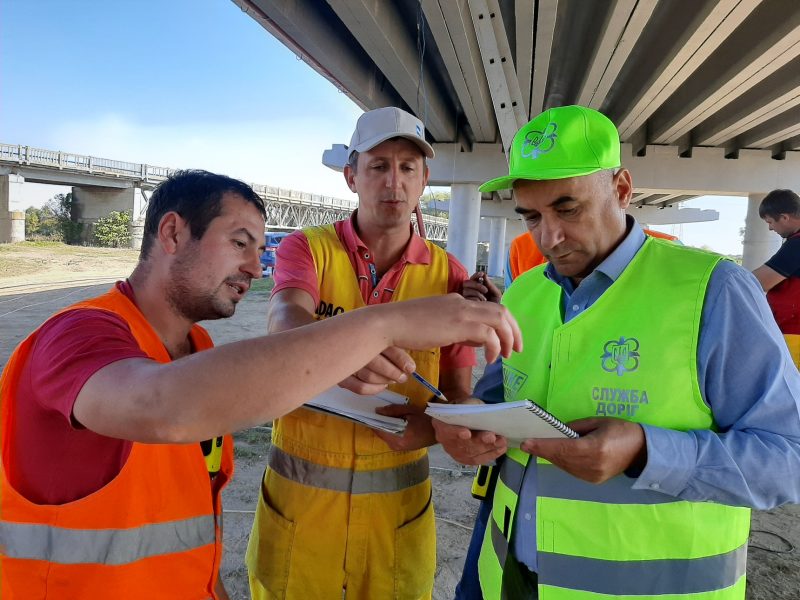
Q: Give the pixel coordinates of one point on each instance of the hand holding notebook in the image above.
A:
(516, 421)
(345, 404)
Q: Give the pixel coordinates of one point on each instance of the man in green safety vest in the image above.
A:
(668, 363)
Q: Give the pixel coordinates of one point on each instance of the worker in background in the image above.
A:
(370, 489)
(780, 275)
(686, 421)
(523, 254)
(104, 490)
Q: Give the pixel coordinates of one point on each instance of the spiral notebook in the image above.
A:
(516, 421)
(345, 404)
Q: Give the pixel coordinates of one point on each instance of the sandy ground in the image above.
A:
(36, 281)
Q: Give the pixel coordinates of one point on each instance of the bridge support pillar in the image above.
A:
(12, 213)
(92, 203)
(759, 242)
(137, 233)
(464, 220)
(497, 244)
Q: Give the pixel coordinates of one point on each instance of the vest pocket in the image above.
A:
(415, 556)
(270, 549)
(547, 536)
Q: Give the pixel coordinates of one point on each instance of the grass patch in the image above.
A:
(16, 246)
(252, 443)
(262, 286)
(255, 435)
(13, 266)
(60, 248)
(244, 452)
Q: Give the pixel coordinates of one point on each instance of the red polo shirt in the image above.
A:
(68, 350)
(294, 268)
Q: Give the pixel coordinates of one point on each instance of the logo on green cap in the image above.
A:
(539, 142)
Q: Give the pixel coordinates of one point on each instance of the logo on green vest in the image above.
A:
(620, 355)
(513, 381)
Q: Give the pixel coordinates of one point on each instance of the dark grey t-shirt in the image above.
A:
(786, 261)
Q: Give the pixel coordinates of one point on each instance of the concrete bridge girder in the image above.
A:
(661, 170)
(48, 176)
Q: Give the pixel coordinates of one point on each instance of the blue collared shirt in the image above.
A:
(746, 377)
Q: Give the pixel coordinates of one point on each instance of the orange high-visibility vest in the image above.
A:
(524, 254)
(661, 235)
(154, 531)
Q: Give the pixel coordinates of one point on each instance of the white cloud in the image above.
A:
(281, 152)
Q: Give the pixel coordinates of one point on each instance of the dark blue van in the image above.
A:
(271, 240)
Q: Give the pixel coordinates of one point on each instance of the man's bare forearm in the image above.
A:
(284, 316)
(233, 386)
(253, 381)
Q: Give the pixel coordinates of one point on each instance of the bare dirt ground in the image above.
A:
(35, 281)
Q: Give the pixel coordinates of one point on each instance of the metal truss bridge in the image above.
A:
(286, 209)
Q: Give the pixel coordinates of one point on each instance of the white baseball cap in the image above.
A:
(381, 124)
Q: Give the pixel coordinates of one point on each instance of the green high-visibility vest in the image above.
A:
(633, 356)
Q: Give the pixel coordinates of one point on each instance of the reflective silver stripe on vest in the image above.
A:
(499, 542)
(511, 473)
(644, 577)
(555, 483)
(337, 479)
(103, 546)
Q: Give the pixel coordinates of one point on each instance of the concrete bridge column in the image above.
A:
(464, 220)
(497, 244)
(12, 213)
(759, 242)
(92, 203)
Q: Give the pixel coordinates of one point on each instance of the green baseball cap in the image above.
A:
(568, 141)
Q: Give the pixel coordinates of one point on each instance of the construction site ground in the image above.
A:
(38, 279)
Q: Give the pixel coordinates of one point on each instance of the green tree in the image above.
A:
(48, 222)
(33, 220)
(61, 207)
(53, 221)
(114, 230)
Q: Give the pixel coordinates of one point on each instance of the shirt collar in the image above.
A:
(416, 251)
(615, 263)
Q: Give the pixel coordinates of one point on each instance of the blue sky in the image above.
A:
(183, 83)
(190, 83)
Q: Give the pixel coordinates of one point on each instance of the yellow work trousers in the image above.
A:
(312, 543)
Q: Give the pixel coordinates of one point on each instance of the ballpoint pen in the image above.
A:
(433, 389)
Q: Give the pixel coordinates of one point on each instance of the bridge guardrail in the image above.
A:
(286, 195)
(29, 155)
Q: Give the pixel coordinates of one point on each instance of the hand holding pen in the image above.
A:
(419, 429)
(480, 288)
(432, 388)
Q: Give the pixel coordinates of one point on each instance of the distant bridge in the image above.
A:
(103, 185)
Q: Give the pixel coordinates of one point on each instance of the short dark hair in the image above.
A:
(196, 195)
(779, 202)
